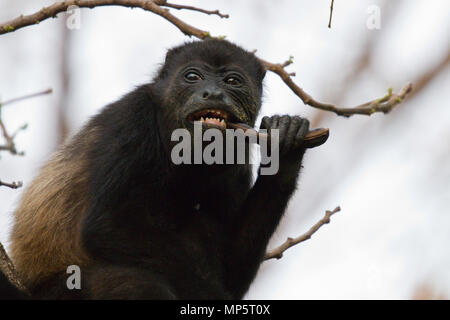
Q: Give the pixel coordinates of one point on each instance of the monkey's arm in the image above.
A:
(265, 205)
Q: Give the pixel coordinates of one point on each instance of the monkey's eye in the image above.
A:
(192, 76)
(233, 81)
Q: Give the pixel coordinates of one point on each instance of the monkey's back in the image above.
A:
(45, 238)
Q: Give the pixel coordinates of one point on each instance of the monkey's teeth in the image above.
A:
(212, 116)
(216, 121)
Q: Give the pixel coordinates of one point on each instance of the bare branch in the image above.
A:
(13, 185)
(277, 253)
(164, 3)
(384, 104)
(10, 145)
(48, 91)
(331, 13)
(58, 7)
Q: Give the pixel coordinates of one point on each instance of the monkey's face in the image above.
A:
(210, 97)
(211, 83)
(214, 96)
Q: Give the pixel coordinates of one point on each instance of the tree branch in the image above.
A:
(331, 13)
(12, 185)
(384, 104)
(58, 7)
(277, 253)
(29, 96)
(164, 3)
(9, 139)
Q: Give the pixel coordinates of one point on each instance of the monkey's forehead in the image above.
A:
(214, 52)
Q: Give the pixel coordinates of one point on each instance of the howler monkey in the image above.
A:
(112, 202)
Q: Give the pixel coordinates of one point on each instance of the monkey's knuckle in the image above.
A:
(265, 123)
(275, 118)
(296, 120)
(304, 121)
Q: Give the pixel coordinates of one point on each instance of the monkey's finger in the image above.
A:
(283, 127)
(290, 138)
(265, 123)
(269, 123)
(274, 122)
(301, 133)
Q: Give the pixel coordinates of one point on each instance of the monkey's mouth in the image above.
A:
(215, 117)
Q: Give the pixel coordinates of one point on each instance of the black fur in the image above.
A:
(8, 291)
(143, 230)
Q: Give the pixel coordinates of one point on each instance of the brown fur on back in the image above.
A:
(46, 235)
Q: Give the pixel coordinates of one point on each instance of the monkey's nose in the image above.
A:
(212, 93)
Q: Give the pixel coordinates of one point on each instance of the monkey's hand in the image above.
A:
(268, 199)
(292, 131)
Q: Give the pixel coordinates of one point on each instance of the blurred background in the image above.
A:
(389, 173)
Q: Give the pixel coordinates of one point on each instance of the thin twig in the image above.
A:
(13, 185)
(331, 13)
(384, 104)
(48, 91)
(277, 253)
(10, 145)
(181, 7)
